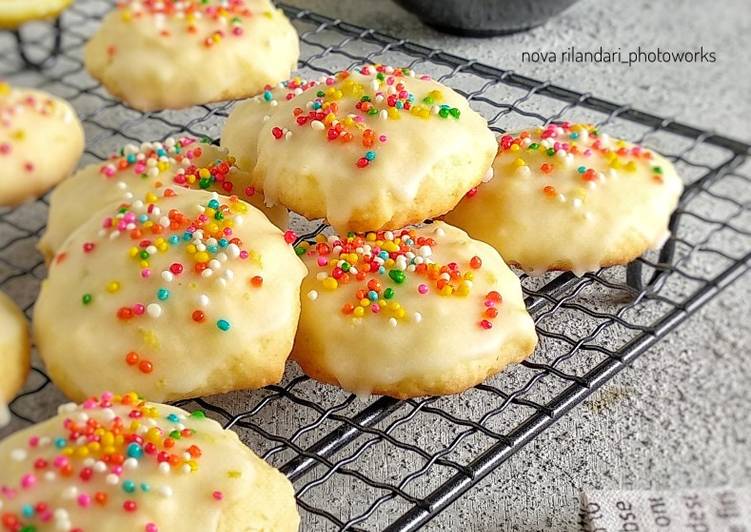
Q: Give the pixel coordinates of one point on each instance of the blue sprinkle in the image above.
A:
(174, 239)
(60, 443)
(162, 294)
(268, 96)
(381, 270)
(131, 158)
(212, 249)
(223, 242)
(399, 105)
(135, 450)
(145, 487)
(187, 236)
(384, 254)
(373, 295)
(173, 418)
(129, 486)
(224, 325)
(370, 155)
(27, 510)
(214, 204)
(143, 218)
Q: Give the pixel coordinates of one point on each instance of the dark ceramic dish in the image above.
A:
(484, 18)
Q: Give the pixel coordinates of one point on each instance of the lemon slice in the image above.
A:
(13, 13)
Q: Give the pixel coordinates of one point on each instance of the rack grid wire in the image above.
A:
(355, 463)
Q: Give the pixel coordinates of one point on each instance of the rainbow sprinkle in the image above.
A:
(376, 267)
(347, 106)
(114, 442)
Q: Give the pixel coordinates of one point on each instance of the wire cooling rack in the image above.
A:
(356, 464)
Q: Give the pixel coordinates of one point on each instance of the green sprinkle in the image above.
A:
(299, 250)
(657, 169)
(86, 299)
(198, 414)
(456, 113)
(397, 276)
(388, 293)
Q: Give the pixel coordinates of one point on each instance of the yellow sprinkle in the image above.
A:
(399, 313)
(447, 290)
(520, 162)
(113, 286)
(630, 166)
(469, 276)
(234, 474)
(82, 452)
(190, 248)
(330, 283)
(133, 251)
(393, 113)
(370, 237)
(18, 135)
(515, 147)
(126, 15)
(364, 302)
(202, 256)
(464, 289)
(151, 197)
(359, 312)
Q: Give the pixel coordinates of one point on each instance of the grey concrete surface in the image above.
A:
(677, 419)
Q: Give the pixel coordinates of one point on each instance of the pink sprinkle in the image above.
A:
(375, 308)
(489, 303)
(107, 396)
(33, 441)
(4, 148)
(117, 470)
(243, 254)
(383, 138)
(237, 30)
(107, 222)
(323, 261)
(151, 527)
(218, 495)
(423, 289)
(84, 500)
(28, 480)
(145, 273)
(139, 309)
(425, 77)
(60, 461)
(88, 404)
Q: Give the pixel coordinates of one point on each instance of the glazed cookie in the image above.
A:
(372, 148)
(137, 170)
(41, 141)
(185, 294)
(117, 464)
(173, 54)
(244, 123)
(425, 311)
(567, 197)
(14, 13)
(14, 353)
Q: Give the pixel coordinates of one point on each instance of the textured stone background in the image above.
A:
(679, 417)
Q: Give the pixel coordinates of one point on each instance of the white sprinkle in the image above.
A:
(50, 476)
(207, 273)
(186, 469)
(233, 250)
(317, 124)
(288, 135)
(108, 414)
(523, 171)
(164, 468)
(313, 295)
(100, 467)
(112, 479)
(89, 462)
(71, 492)
(67, 408)
(18, 455)
(164, 491)
(392, 322)
(164, 221)
(418, 317)
(266, 118)
(215, 264)
(439, 231)
(130, 463)
(388, 235)
(488, 175)
(425, 251)
(203, 300)
(383, 115)
(168, 276)
(321, 276)
(576, 203)
(154, 310)
(122, 185)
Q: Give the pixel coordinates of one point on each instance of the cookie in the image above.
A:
(14, 353)
(118, 463)
(244, 123)
(41, 140)
(137, 170)
(568, 197)
(185, 294)
(173, 54)
(372, 148)
(425, 311)
(14, 13)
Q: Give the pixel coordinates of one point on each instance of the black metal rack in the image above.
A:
(403, 462)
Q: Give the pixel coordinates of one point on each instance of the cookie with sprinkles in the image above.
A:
(406, 313)
(135, 171)
(185, 294)
(117, 463)
(14, 353)
(171, 54)
(570, 197)
(14, 13)
(375, 147)
(41, 140)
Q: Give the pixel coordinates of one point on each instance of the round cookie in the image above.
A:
(14, 13)
(244, 123)
(567, 197)
(185, 294)
(14, 353)
(424, 311)
(117, 464)
(373, 148)
(138, 170)
(41, 141)
(173, 54)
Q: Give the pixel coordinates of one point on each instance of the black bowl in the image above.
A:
(484, 18)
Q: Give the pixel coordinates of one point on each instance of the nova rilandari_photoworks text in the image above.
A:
(603, 55)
